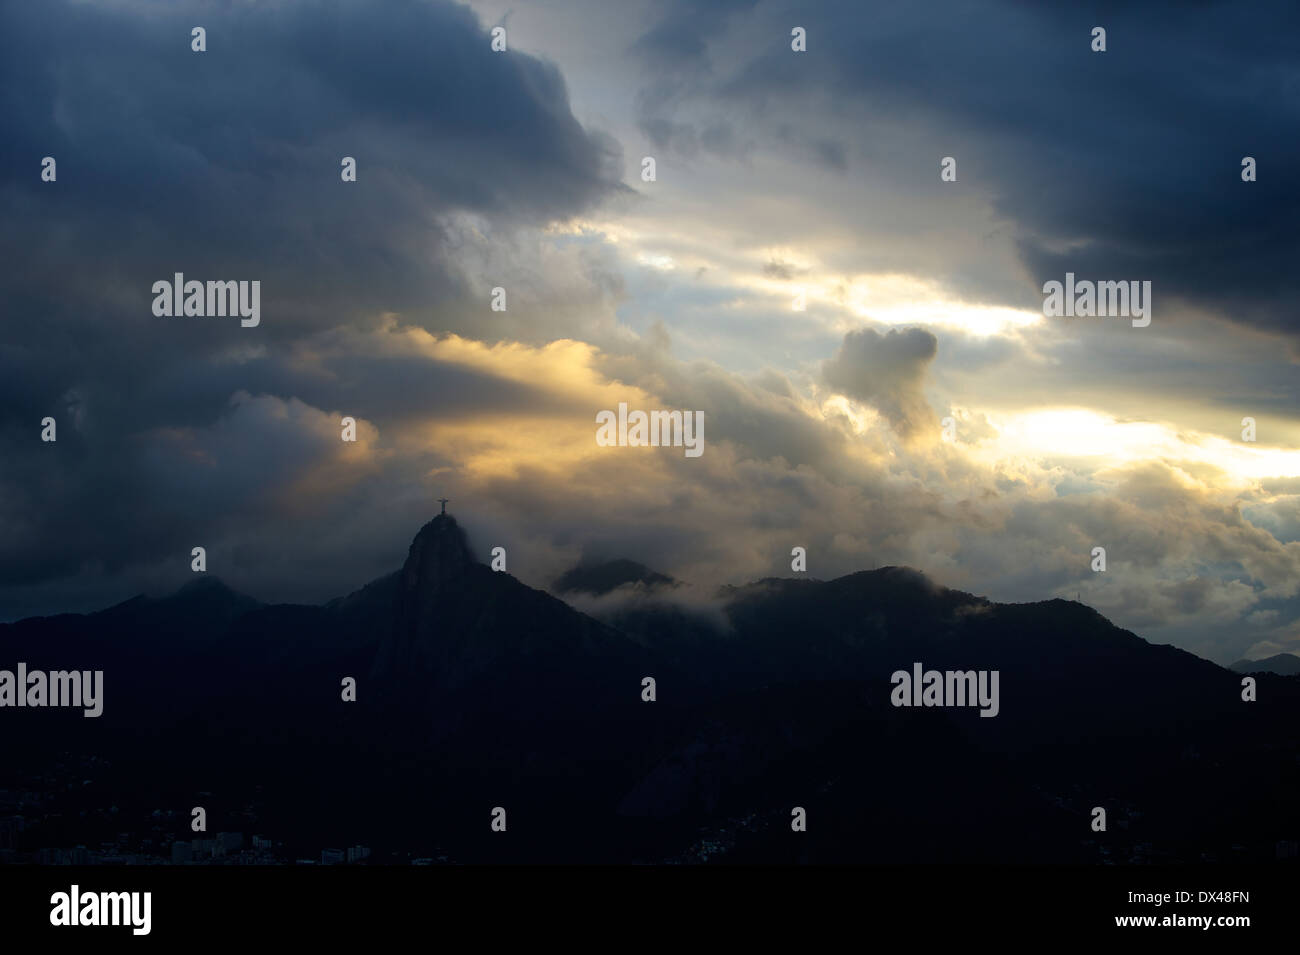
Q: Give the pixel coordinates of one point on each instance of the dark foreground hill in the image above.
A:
(474, 691)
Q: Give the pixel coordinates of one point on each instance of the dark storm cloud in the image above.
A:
(118, 488)
(229, 160)
(674, 53)
(226, 165)
(1122, 165)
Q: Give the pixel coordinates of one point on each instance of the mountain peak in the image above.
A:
(601, 578)
(439, 554)
(454, 619)
(1283, 664)
(209, 597)
(436, 574)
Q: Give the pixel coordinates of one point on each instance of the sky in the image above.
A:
(797, 272)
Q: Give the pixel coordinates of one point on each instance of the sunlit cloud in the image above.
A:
(1084, 434)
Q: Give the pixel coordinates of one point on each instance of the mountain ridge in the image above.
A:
(472, 689)
(1282, 664)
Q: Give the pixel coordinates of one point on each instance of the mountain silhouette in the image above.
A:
(1286, 664)
(473, 690)
(600, 578)
(454, 618)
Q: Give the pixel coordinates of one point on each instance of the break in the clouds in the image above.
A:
(1125, 163)
(781, 177)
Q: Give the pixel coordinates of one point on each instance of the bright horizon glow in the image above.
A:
(1083, 433)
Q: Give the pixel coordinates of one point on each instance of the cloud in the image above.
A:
(226, 165)
(780, 270)
(817, 168)
(184, 162)
(886, 372)
(287, 511)
(1123, 165)
(680, 39)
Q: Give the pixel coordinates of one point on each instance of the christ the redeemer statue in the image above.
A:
(443, 502)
